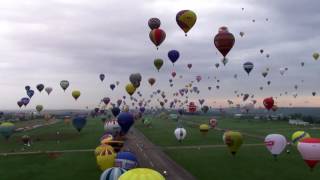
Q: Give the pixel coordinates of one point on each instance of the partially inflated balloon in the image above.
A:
(158, 63)
(7, 129)
(173, 56)
(130, 89)
(76, 94)
(157, 36)
(186, 20)
(64, 84)
(154, 23)
(233, 140)
(48, 90)
(224, 41)
(79, 122)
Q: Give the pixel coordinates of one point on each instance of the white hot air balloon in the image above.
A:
(275, 143)
(282, 71)
(48, 90)
(180, 134)
(112, 127)
(309, 149)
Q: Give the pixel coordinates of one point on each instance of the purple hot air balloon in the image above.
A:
(106, 100)
(173, 56)
(25, 101)
(20, 103)
(142, 109)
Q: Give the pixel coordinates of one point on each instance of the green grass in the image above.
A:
(217, 163)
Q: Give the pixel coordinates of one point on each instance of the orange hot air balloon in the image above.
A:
(157, 36)
(224, 41)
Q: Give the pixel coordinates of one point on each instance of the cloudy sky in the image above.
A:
(49, 41)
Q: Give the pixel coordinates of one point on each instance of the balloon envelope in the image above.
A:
(186, 19)
(79, 122)
(275, 143)
(125, 121)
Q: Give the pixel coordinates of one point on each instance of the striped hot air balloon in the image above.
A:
(157, 36)
(112, 173)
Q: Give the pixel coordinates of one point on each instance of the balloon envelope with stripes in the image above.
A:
(112, 173)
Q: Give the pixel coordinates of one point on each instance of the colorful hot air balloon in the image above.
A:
(76, 94)
(173, 56)
(125, 121)
(64, 84)
(248, 66)
(112, 127)
(233, 140)
(186, 20)
(7, 129)
(204, 128)
(309, 149)
(157, 36)
(299, 136)
(102, 76)
(224, 41)
(315, 56)
(40, 87)
(158, 63)
(268, 103)
(39, 108)
(141, 174)
(275, 143)
(213, 122)
(79, 122)
(130, 89)
(154, 23)
(180, 133)
(105, 157)
(48, 90)
(112, 173)
(126, 160)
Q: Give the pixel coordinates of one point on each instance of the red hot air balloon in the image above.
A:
(173, 74)
(192, 107)
(157, 36)
(309, 149)
(224, 41)
(268, 103)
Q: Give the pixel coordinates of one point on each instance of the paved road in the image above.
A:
(151, 156)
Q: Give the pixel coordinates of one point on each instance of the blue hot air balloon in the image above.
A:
(115, 111)
(27, 88)
(126, 160)
(102, 76)
(7, 129)
(112, 86)
(142, 109)
(40, 87)
(112, 173)
(173, 56)
(125, 121)
(30, 93)
(79, 122)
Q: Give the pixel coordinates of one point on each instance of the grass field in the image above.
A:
(217, 163)
(205, 163)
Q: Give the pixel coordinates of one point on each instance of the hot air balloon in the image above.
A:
(126, 160)
(241, 34)
(224, 61)
(105, 156)
(309, 149)
(39, 108)
(264, 73)
(198, 78)
(112, 127)
(248, 66)
(130, 89)
(268, 103)
(213, 123)
(224, 41)
(282, 71)
(101, 76)
(180, 133)
(7, 129)
(151, 81)
(26, 140)
(40, 87)
(25, 101)
(125, 121)
(141, 174)
(48, 90)
(76, 94)
(189, 66)
(173, 74)
(315, 56)
(186, 20)
(217, 65)
(112, 86)
(135, 79)
(173, 56)
(158, 63)
(233, 140)
(106, 100)
(299, 136)
(30, 93)
(192, 107)
(275, 143)
(20, 104)
(154, 23)
(205, 109)
(27, 88)
(64, 84)
(112, 173)
(115, 111)
(157, 36)
(204, 128)
(79, 122)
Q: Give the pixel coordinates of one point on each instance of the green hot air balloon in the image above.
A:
(7, 129)
(233, 140)
(158, 63)
(39, 108)
(64, 84)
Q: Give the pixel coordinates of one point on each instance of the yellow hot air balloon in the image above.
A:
(105, 156)
(125, 108)
(186, 20)
(233, 140)
(141, 174)
(204, 128)
(130, 89)
(299, 136)
(76, 94)
(315, 56)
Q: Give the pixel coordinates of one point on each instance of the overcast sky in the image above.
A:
(52, 40)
